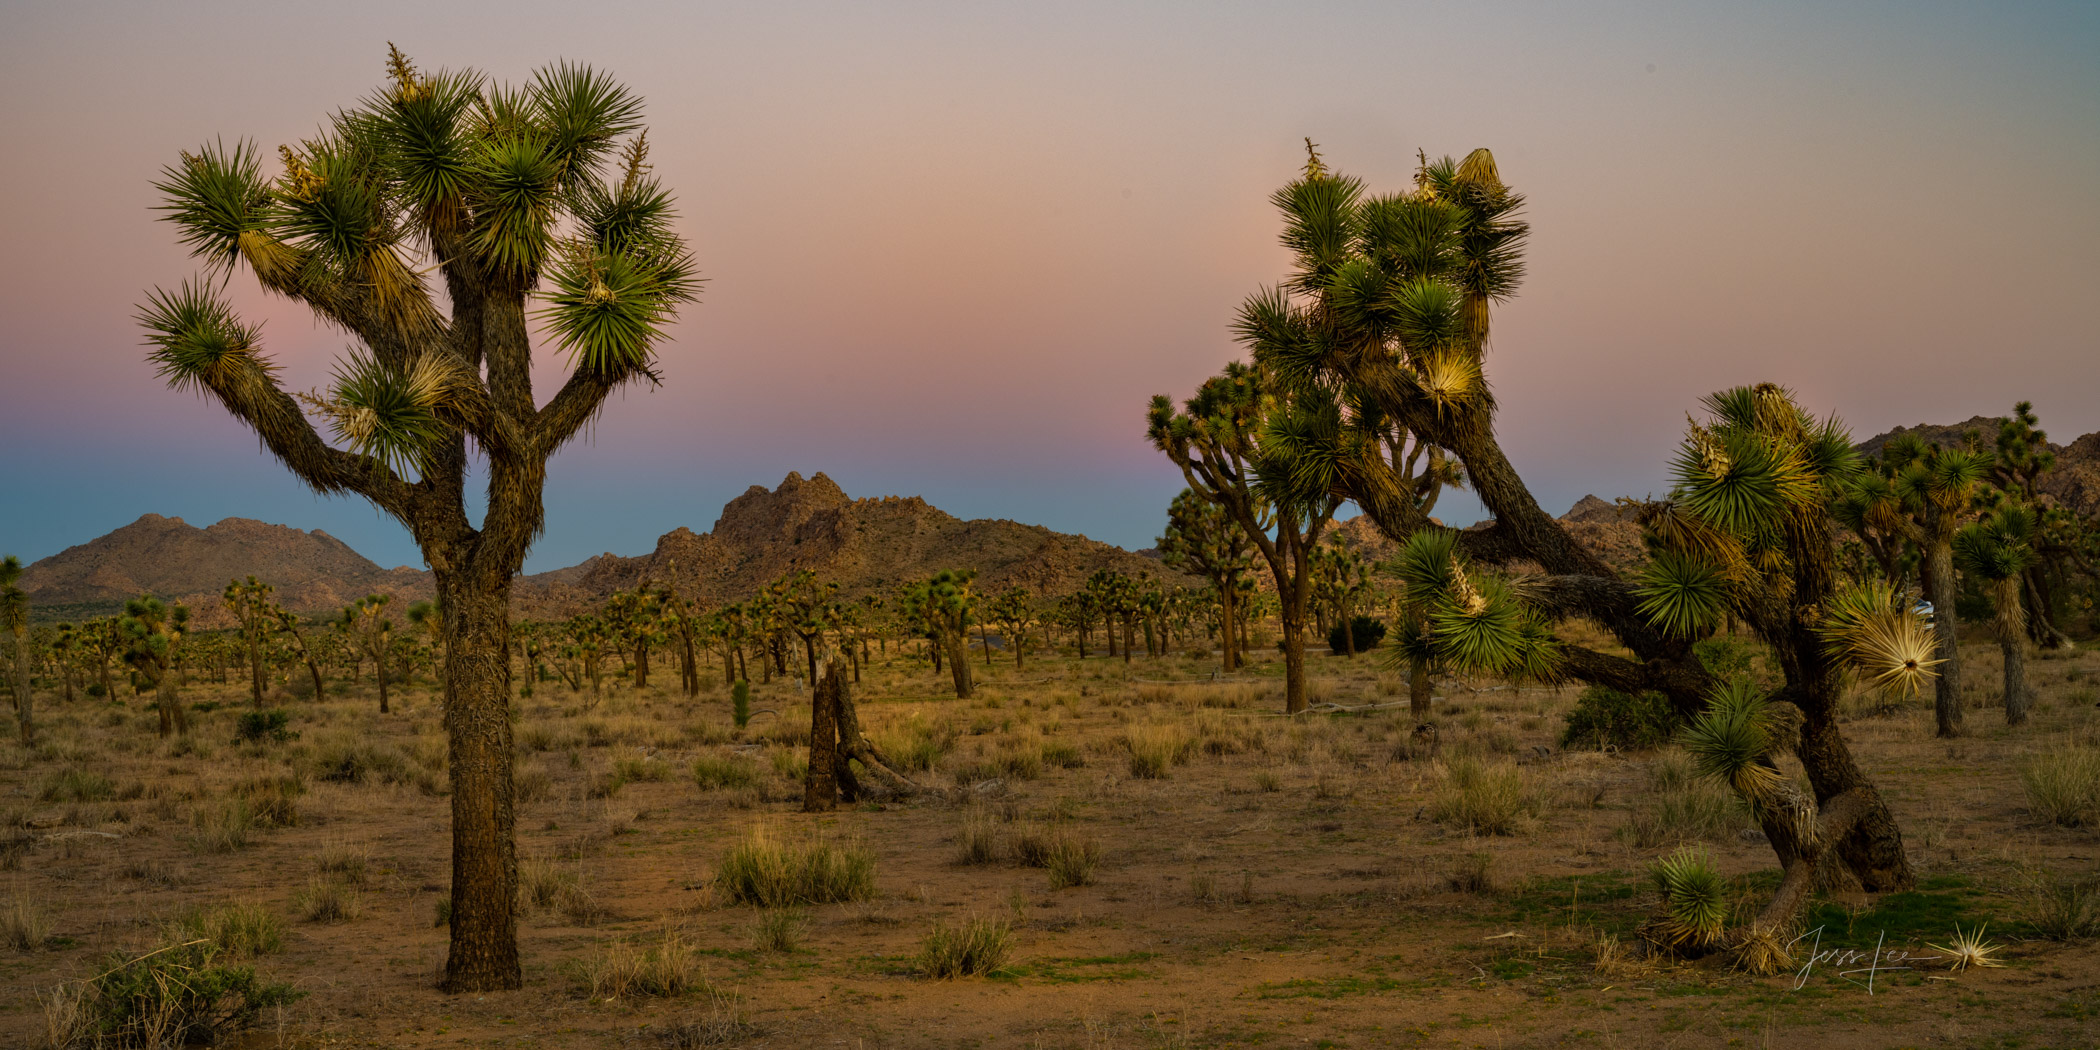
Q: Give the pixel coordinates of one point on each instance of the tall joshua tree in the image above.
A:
(372, 632)
(1922, 494)
(153, 635)
(1203, 539)
(1228, 441)
(503, 192)
(1999, 550)
(1388, 308)
(249, 602)
(14, 619)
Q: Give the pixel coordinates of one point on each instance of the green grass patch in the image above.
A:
(1084, 969)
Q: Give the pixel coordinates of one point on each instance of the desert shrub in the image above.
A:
(178, 996)
(789, 763)
(1485, 799)
(541, 881)
(222, 828)
(1604, 717)
(532, 785)
(24, 926)
(764, 871)
(621, 970)
(341, 860)
(2060, 908)
(1020, 759)
(239, 930)
(2063, 786)
(713, 772)
(1072, 861)
(740, 703)
(255, 727)
(1063, 754)
(1472, 873)
(1154, 749)
(327, 900)
(915, 743)
(274, 801)
(1682, 806)
(977, 946)
(1368, 632)
(73, 784)
(978, 840)
(779, 929)
(348, 760)
(642, 770)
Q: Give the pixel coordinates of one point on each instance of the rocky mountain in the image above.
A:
(174, 559)
(866, 545)
(2074, 483)
(863, 544)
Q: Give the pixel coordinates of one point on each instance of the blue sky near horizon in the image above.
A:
(953, 248)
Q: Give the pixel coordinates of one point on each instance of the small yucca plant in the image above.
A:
(1968, 950)
(1694, 901)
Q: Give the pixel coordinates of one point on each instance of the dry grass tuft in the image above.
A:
(978, 946)
(764, 871)
(664, 967)
(1485, 799)
(2063, 786)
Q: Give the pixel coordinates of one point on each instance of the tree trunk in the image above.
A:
(1226, 603)
(379, 672)
(1418, 692)
(959, 664)
(172, 717)
(820, 787)
(484, 927)
(1293, 662)
(2015, 649)
(251, 636)
(1946, 689)
(24, 714)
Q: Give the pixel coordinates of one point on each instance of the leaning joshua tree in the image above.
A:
(532, 204)
(1388, 307)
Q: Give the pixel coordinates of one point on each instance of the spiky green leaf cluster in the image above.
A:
(1694, 911)
(502, 186)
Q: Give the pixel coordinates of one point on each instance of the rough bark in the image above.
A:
(484, 948)
(1946, 688)
(820, 786)
(2015, 650)
(1418, 697)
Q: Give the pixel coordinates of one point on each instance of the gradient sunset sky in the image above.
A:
(953, 248)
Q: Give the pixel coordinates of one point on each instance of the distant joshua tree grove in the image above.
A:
(507, 193)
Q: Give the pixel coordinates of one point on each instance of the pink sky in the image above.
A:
(952, 249)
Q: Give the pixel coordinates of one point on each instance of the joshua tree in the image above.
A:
(1230, 442)
(289, 624)
(14, 619)
(1923, 494)
(1999, 550)
(1388, 309)
(2059, 537)
(1203, 539)
(369, 629)
(498, 187)
(249, 602)
(153, 636)
(802, 601)
(947, 605)
(1341, 578)
(66, 649)
(1014, 610)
